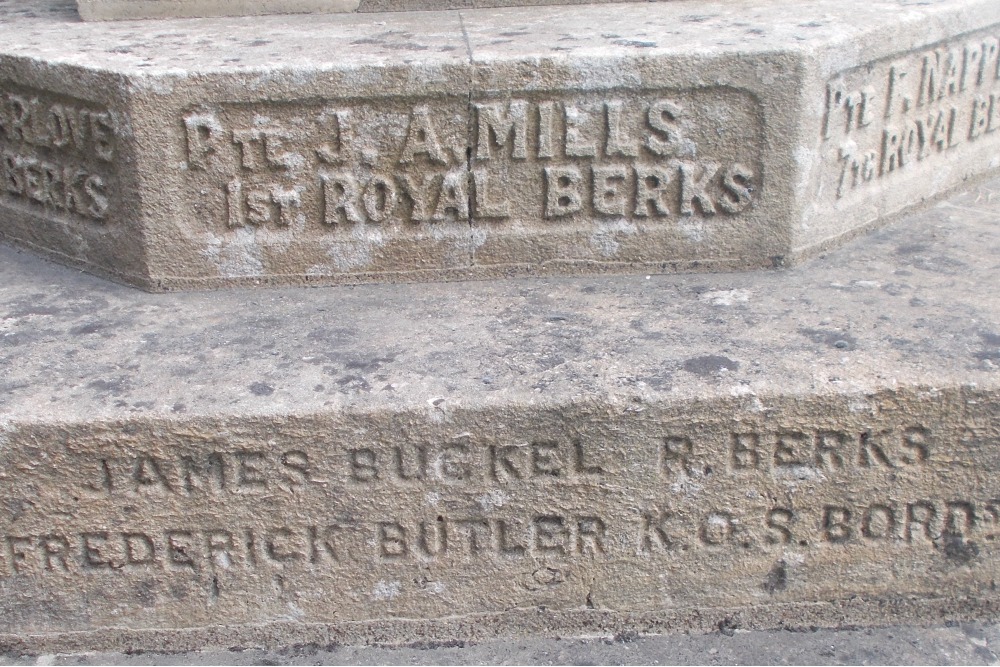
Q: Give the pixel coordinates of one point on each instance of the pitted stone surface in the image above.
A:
(105, 10)
(458, 462)
(421, 146)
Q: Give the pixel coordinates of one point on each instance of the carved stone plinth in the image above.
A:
(457, 462)
(416, 146)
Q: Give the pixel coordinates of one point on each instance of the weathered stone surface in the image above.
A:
(105, 10)
(818, 446)
(952, 644)
(412, 146)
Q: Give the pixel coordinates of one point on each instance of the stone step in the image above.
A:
(550, 456)
(118, 10)
(644, 138)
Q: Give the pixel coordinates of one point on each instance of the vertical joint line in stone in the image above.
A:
(469, 130)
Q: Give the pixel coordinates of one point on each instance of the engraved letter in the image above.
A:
(693, 189)
(203, 131)
(332, 151)
(499, 124)
(576, 144)
(676, 452)
(234, 204)
(362, 463)
(488, 203)
(421, 139)
(379, 198)
(340, 194)
(618, 142)
(546, 119)
(836, 524)
(737, 182)
(562, 191)
(419, 192)
(743, 452)
(453, 197)
(663, 119)
(651, 191)
(609, 190)
(392, 541)
(288, 202)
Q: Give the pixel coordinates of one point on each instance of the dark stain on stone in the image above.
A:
(261, 389)
(991, 350)
(115, 387)
(911, 249)
(838, 340)
(635, 43)
(145, 594)
(353, 383)
(710, 365)
(626, 636)
(84, 329)
(777, 578)
(987, 656)
(728, 626)
(959, 551)
(372, 364)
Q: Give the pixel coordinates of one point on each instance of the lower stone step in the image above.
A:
(642, 138)
(393, 464)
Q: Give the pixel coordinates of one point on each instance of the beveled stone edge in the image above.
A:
(845, 613)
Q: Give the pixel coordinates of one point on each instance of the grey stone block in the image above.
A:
(109, 10)
(462, 461)
(416, 146)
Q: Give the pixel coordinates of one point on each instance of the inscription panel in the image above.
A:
(343, 186)
(362, 519)
(919, 115)
(58, 155)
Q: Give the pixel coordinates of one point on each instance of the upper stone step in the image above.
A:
(645, 137)
(112, 10)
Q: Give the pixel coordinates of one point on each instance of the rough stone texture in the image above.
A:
(957, 644)
(107, 10)
(631, 138)
(465, 461)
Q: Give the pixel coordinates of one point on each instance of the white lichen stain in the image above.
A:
(793, 558)
(238, 256)
(386, 590)
(860, 406)
(492, 500)
(477, 237)
(686, 486)
(725, 297)
(605, 238)
(432, 498)
(436, 588)
(359, 252)
(692, 228)
(805, 158)
(792, 476)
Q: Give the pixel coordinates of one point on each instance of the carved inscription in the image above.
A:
(888, 118)
(57, 154)
(336, 168)
(683, 498)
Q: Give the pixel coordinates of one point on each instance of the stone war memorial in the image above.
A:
(335, 322)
